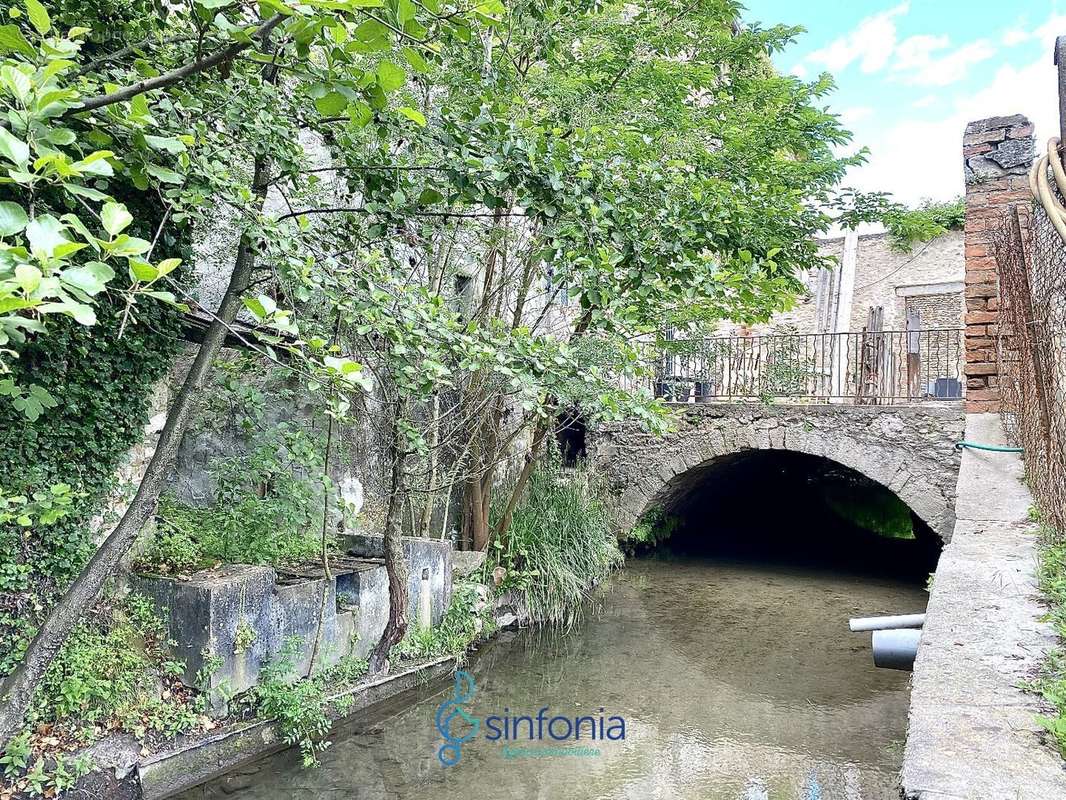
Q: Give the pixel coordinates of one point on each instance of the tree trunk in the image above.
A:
(475, 509)
(17, 690)
(395, 561)
(539, 434)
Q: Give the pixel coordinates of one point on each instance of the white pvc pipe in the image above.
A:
(896, 649)
(886, 623)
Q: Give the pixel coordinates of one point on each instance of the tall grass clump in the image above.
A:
(1051, 682)
(560, 543)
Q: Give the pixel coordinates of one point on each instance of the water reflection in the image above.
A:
(735, 680)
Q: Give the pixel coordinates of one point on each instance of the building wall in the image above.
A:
(888, 277)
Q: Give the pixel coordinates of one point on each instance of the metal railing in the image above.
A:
(886, 367)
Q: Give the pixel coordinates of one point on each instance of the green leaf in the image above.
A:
(164, 175)
(142, 271)
(414, 115)
(390, 76)
(28, 277)
(167, 144)
(91, 279)
(331, 104)
(124, 245)
(45, 234)
(115, 217)
(167, 265)
(169, 299)
(415, 59)
(14, 149)
(367, 31)
(12, 41)
(16, 82)
(253, 305)
(38, 17)
(12, 218)
(85, 191)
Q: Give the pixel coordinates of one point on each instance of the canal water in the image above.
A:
(737, 679)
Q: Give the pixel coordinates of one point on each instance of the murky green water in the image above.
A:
(736, 680)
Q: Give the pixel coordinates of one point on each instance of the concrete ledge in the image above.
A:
(972, 733)
(199, 760)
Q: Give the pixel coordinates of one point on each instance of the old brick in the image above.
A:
(976, 304)
(980, 275)
(979, 341)
(983, 394)
(983, 406)
(1020, 132)
(992, 304)
(976, 383)
(975, 370)
(981, 289)
(980, 317)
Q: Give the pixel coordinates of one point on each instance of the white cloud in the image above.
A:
(1044, 34)
(915, 159)
(850, 116)
(871, 43)
(1015, 36)
(799, 71)
(926, 70)
(925, 102)
(915, 52)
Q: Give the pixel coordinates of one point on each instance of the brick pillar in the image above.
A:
(997, 154)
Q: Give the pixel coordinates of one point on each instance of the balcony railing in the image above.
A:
(887, 367)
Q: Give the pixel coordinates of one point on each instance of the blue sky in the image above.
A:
(910, 75)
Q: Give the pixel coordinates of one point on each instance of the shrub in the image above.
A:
(461, 626)
(299, 706)
(560, 543)
(108, 672)
(267, 510)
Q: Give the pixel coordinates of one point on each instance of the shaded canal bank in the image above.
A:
(733, 678)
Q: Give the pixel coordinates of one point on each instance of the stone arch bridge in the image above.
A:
(908, 449)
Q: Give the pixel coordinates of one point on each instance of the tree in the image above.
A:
(206, 59)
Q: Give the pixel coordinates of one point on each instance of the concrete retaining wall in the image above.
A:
(972, 733)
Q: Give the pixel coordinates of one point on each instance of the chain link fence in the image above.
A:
(1031, 344)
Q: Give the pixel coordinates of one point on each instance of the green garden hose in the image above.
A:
(995, 448)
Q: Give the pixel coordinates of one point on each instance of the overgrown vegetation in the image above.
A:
(301, 706)
(871, 507)
(467, 619)
(910, 226)
(1051, 682)
(267, 509)
(560, 543)
(654, 526)
(643, 156)
(101, 384)
(113, 674)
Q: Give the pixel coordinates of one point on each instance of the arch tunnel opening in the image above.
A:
(779, 506)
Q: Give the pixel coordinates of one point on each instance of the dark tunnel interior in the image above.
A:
(777, 506)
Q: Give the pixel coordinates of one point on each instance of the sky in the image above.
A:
(911, 74)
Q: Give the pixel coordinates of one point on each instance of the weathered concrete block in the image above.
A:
(429, 559)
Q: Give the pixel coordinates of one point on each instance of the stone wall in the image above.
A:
(997, 153)
(910, 450)
(886, 276)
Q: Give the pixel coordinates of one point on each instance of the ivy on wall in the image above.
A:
(102, 384)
